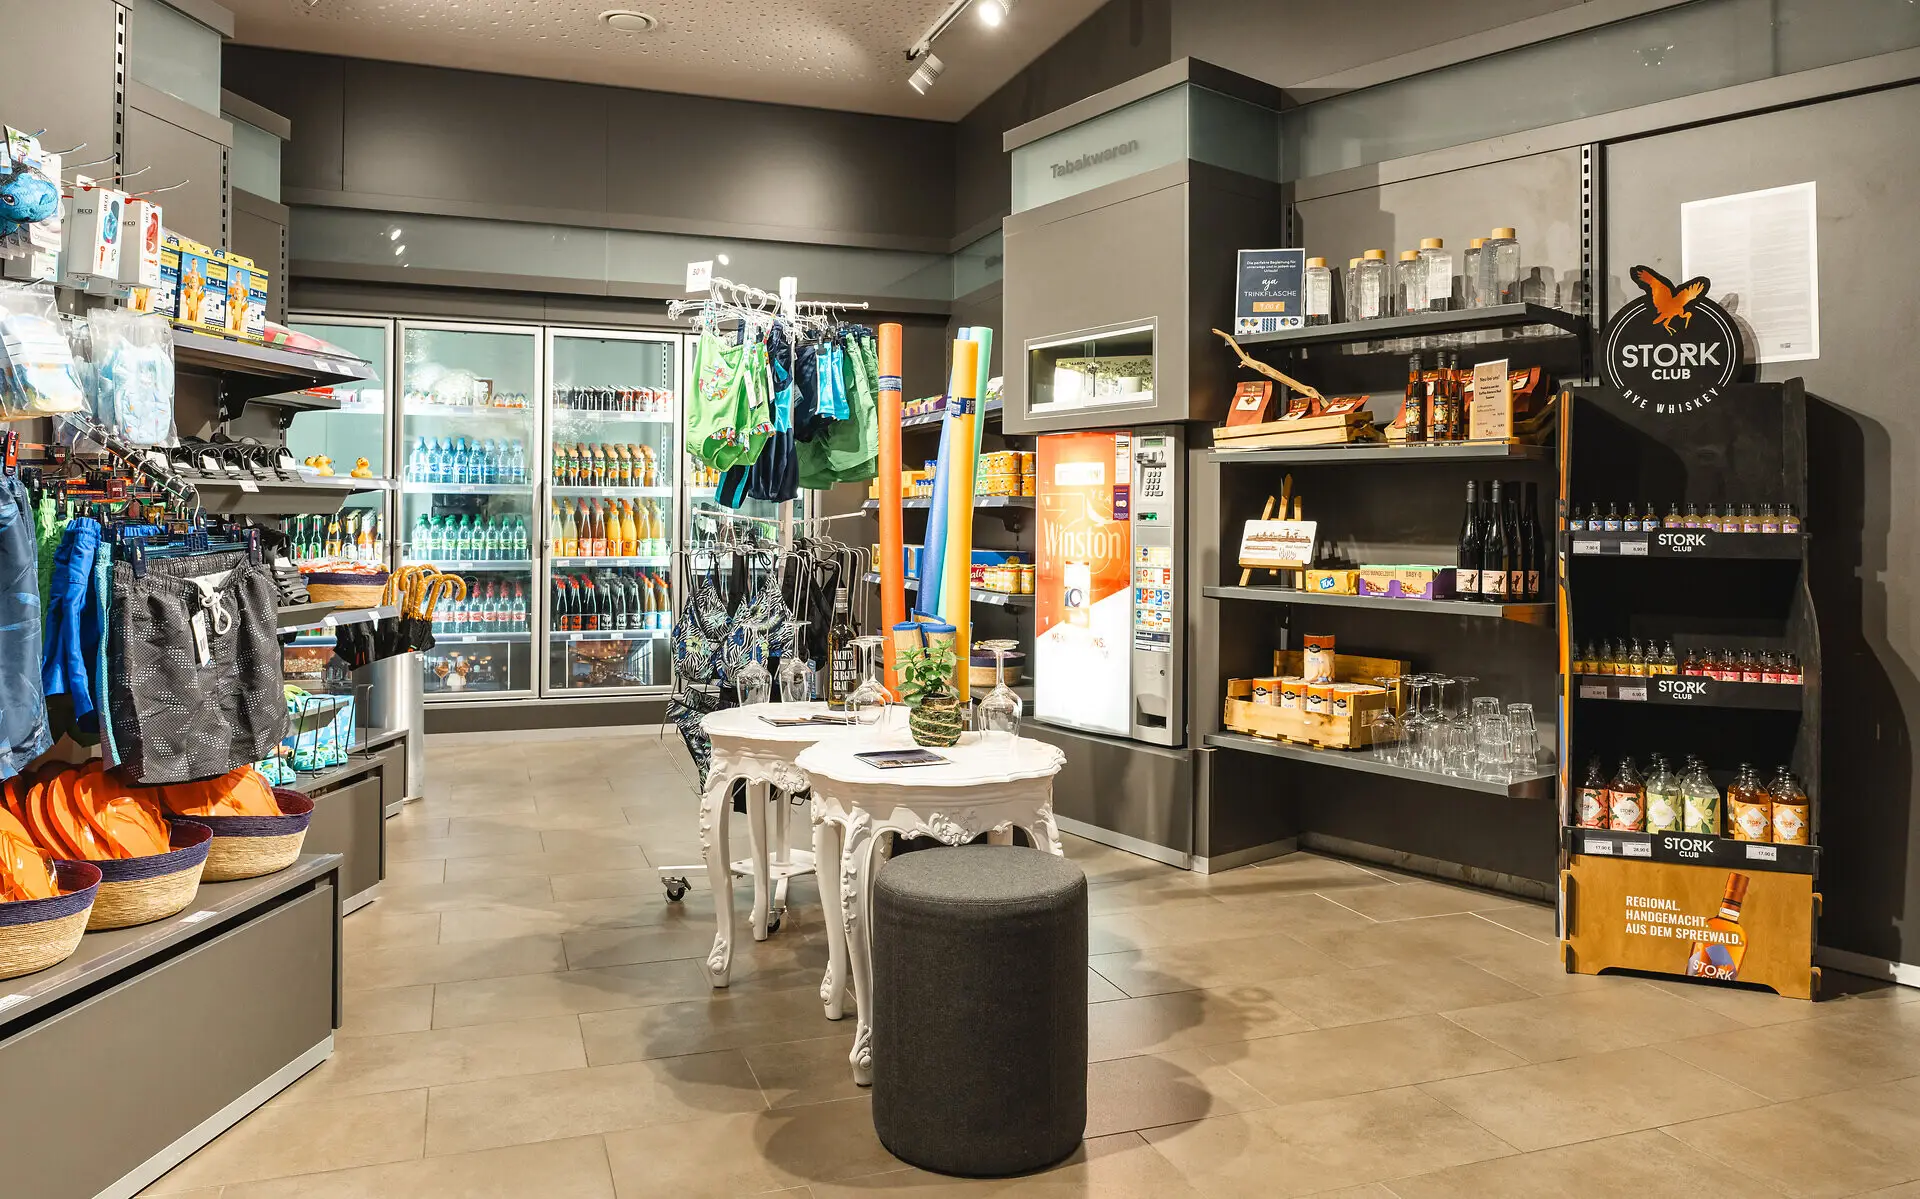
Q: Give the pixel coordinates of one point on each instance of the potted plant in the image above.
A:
(926, 684)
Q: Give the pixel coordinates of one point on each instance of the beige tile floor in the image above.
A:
(526, 1016)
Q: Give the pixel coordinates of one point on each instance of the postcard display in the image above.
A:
(1689, 880)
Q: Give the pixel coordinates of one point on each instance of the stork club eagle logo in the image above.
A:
(1670, 350)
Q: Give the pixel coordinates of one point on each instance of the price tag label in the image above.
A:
(1763, 853)
(7, 1001)
(1634, 549)
(1594, 691)
(197, 917)
(700, 275)
(1586, 545)
(1636, 849)
(1634, 691)
(1602, 848)
(250, 487)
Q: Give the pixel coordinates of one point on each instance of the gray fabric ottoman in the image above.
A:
(980, 1009)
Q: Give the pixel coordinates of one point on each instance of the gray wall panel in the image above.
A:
(173, 153)
(314, 91)
(1864, 451)
(59, 72)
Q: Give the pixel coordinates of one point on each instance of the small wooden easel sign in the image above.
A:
(1276, 544)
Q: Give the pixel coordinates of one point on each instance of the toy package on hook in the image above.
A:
(38, 376)
(133, 366)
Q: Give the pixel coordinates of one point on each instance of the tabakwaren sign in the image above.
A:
(1670, 350)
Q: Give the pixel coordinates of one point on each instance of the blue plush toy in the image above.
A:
(26, 196)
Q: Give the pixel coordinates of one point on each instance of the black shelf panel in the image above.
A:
(1538, 786)
(1374, 451)
(1424, 325)
(1690, 692)
(1532, 613)
(1693, 849)
(1685, 543)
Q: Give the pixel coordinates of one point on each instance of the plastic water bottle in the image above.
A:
(518, 462)
(520, 544)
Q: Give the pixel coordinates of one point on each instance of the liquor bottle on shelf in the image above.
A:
(1630, 523)
(1790, 669)
(1637, 661)
(1749, 807)
(1666, 664)
(1591, 807)
(1535, 542)
(1444, 408)
(1789, 523)
(1496, 550)
(1626, 800)
(1664, 805)
(1699, 800)
(1612, 522)
(1720, 947)
(1466, 575)
(1517, 550)
(1413, 405)
(1792, 817)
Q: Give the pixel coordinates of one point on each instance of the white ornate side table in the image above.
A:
(746, 747)
(986, 786)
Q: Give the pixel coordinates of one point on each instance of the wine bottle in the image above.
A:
(843, 660)
(1496, 550)
(1516, 549)
(1466, 575)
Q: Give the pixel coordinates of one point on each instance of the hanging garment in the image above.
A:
(697, 634)
(849, 451)
(24, 734)
(729, 413)
(194, 675)
(66, 666)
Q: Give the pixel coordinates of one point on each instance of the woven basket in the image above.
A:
(352, 590)
(250, 846)
(142, 890)
(38, 933)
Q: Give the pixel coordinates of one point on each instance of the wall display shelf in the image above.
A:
(990, 411)
(1694, 901)
(1527, 613)
(246, 371)
(611, 492)
(264, 952)
(302, 616)
(1432, 327)
(1691, 692)
(281, 497)
(1687, 543)
(1534, 786)
(319, 630)
(1380, 452)
(998, 599)
(983, 501)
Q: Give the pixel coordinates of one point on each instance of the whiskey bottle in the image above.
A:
(1466, 574)
(1590, 801)
(1749, 807)
(843, 656)
(1789, 523)
(1699, 800)
(1792, 816)
(1627, 800)
(1667, 666)
(1722, 943)
(1664, 805)
(1413, 405)
(1673, 516)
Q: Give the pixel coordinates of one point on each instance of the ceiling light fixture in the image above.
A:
(393, 234)
(628, 21)
(993, 12)
(399, 250)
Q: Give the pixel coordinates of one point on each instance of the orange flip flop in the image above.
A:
(25, 872)
(132, 823)
(40, 820)
(82, 800)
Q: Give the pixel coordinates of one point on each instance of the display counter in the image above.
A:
(350, 805)
(151, 1041)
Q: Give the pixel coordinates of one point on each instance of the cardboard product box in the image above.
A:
(1375, 580)
(164, 296)
(194, 262)
(140, 244)
(213, 316)
(1407, 582)
(256, 323)
(239, 292)
(1333, 582)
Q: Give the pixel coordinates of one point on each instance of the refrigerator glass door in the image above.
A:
(1084, 615)
(611, 522)
(356, 430)
(470, 468)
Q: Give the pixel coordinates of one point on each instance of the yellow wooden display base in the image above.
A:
(1633, 914)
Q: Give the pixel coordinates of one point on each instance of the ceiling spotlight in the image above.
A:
(723, 260)
(628, 21)
(399, 250)
(393, 234)
(929, 70)
(993, 12)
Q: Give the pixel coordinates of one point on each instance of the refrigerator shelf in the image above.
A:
(612, 635)
(612, 492)
(513, 638)
(567, 563)
(476, 565)
(467, 488)
(445, 411)
(562, 415)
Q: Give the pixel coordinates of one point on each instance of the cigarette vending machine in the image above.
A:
(1107, 635)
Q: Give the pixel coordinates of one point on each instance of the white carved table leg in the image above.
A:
(716, 806)
(857, 858)
(782, 855)
(757, 797)
(826, 857)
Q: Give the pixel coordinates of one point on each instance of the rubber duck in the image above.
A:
(362, 469)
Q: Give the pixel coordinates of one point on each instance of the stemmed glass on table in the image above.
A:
(799, 681)
(755, 683)
(1000, 709)
(868, 702)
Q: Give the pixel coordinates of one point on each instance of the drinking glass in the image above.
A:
(1486, 705)
(1493, 747)
(756, 682)
(798, 678)
(1386, 735)
(1524, 734)
(1462, 685)
(1457, 749)
(999, 710)
(868, 702)
(1421, 723)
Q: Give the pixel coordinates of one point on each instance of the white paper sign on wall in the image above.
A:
(700, 275)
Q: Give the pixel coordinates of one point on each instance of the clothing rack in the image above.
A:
(137, 461)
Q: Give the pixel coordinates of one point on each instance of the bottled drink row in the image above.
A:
(605, 465)
(456, 460)
(1502, 553)
(1434, 407)
(1716, 518)
(611, 601)
(470, 539)
(476, 394)
(699, 474)
(352, 535)
(1423, 280)
(1688, 802)
(1633, 660)
(608, 529)
(490, 607)
(644, 401)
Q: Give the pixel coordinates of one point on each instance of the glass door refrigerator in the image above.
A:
(613, 465)
(469, 450)
(357, 429)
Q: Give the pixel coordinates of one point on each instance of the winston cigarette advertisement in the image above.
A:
(1082, 594)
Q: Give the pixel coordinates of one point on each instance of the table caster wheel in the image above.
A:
(676, 889)
(773, 923)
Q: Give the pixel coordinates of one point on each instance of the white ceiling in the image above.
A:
(845, 54)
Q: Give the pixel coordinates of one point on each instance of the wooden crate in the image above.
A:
(1306, 431)
(1242, 715)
